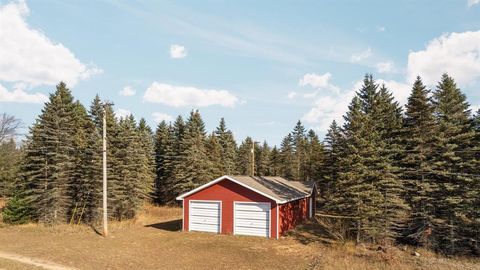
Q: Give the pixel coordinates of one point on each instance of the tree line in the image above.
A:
(401, 175)
(411, 177)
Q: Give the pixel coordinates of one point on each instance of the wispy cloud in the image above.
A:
(180, 96)
(471, 3)
(358, 57)
(127, 91)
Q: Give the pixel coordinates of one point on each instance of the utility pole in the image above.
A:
(104, 149)
(105, 215)
(253, 158)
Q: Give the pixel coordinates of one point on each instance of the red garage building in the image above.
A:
(248, 205)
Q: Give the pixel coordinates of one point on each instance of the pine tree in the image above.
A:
(228, 148)
(419, 131)
(163, 158)
(356, 191)
(387, 118)
(315, 158)
(192, 168)
(300, 150)
(275, 162)
(262, 160)
(244, 157)
(288, 166)
(331, 167)
(214, 150)
(454, 138)
(9, 165)
(84, 186)
(48, 171)
(147, 175)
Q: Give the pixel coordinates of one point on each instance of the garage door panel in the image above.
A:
(204, 212)
(251, 223)
(252, 219)
(251, 207)
(251, 231)
(204, 216)
(205, 220)
(250, 215)
(205, 205)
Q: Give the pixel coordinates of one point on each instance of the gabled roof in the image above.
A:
(276, 188)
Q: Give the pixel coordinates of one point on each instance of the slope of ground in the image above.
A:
(154, 241)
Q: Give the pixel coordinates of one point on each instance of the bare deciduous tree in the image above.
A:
(9, 126)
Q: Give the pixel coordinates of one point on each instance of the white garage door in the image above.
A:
(252, 219)
(204, 216)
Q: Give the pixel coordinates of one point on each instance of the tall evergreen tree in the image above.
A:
(419, 131)
(452, 156)
(228, 148)
(300, 149)
(192, 168)
(49, 158)
(288, 166)
(275, 161)
(214, 150)
(244, 157)
(262, 160)
(331, 168)
(163, 162)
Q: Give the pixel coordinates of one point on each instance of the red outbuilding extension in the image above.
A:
(248, 205)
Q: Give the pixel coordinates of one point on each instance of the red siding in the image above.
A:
(295, 212)
(229, 192)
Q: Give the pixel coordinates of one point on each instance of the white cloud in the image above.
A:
(357, 57)
(385, 67)
(159, 117)
(473, 2)
(177, 51)
(400, 90)
(331, 107)
(319, 82)
(178, 96)
(122, 113)
(127, 91)
(328, 108)
(381, 28)
(28, 56)
(292, 94)
(455, 53)
(17, 95)
(315, 80)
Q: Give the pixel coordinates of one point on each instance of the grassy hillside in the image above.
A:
(154, 241)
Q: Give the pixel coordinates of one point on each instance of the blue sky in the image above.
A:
(260, 64)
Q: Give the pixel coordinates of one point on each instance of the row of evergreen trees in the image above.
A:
(412, 177)
(59, 178)
(399, 175)
(186, 156)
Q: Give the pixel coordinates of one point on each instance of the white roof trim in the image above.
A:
(181, 197)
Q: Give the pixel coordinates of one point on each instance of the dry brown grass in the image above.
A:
(153, 241)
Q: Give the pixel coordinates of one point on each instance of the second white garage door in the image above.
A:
(204, 216)
(252, 219)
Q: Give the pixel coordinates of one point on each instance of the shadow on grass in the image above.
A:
(311, 231)
(171, 225)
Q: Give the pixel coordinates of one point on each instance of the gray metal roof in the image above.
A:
(279, 188)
